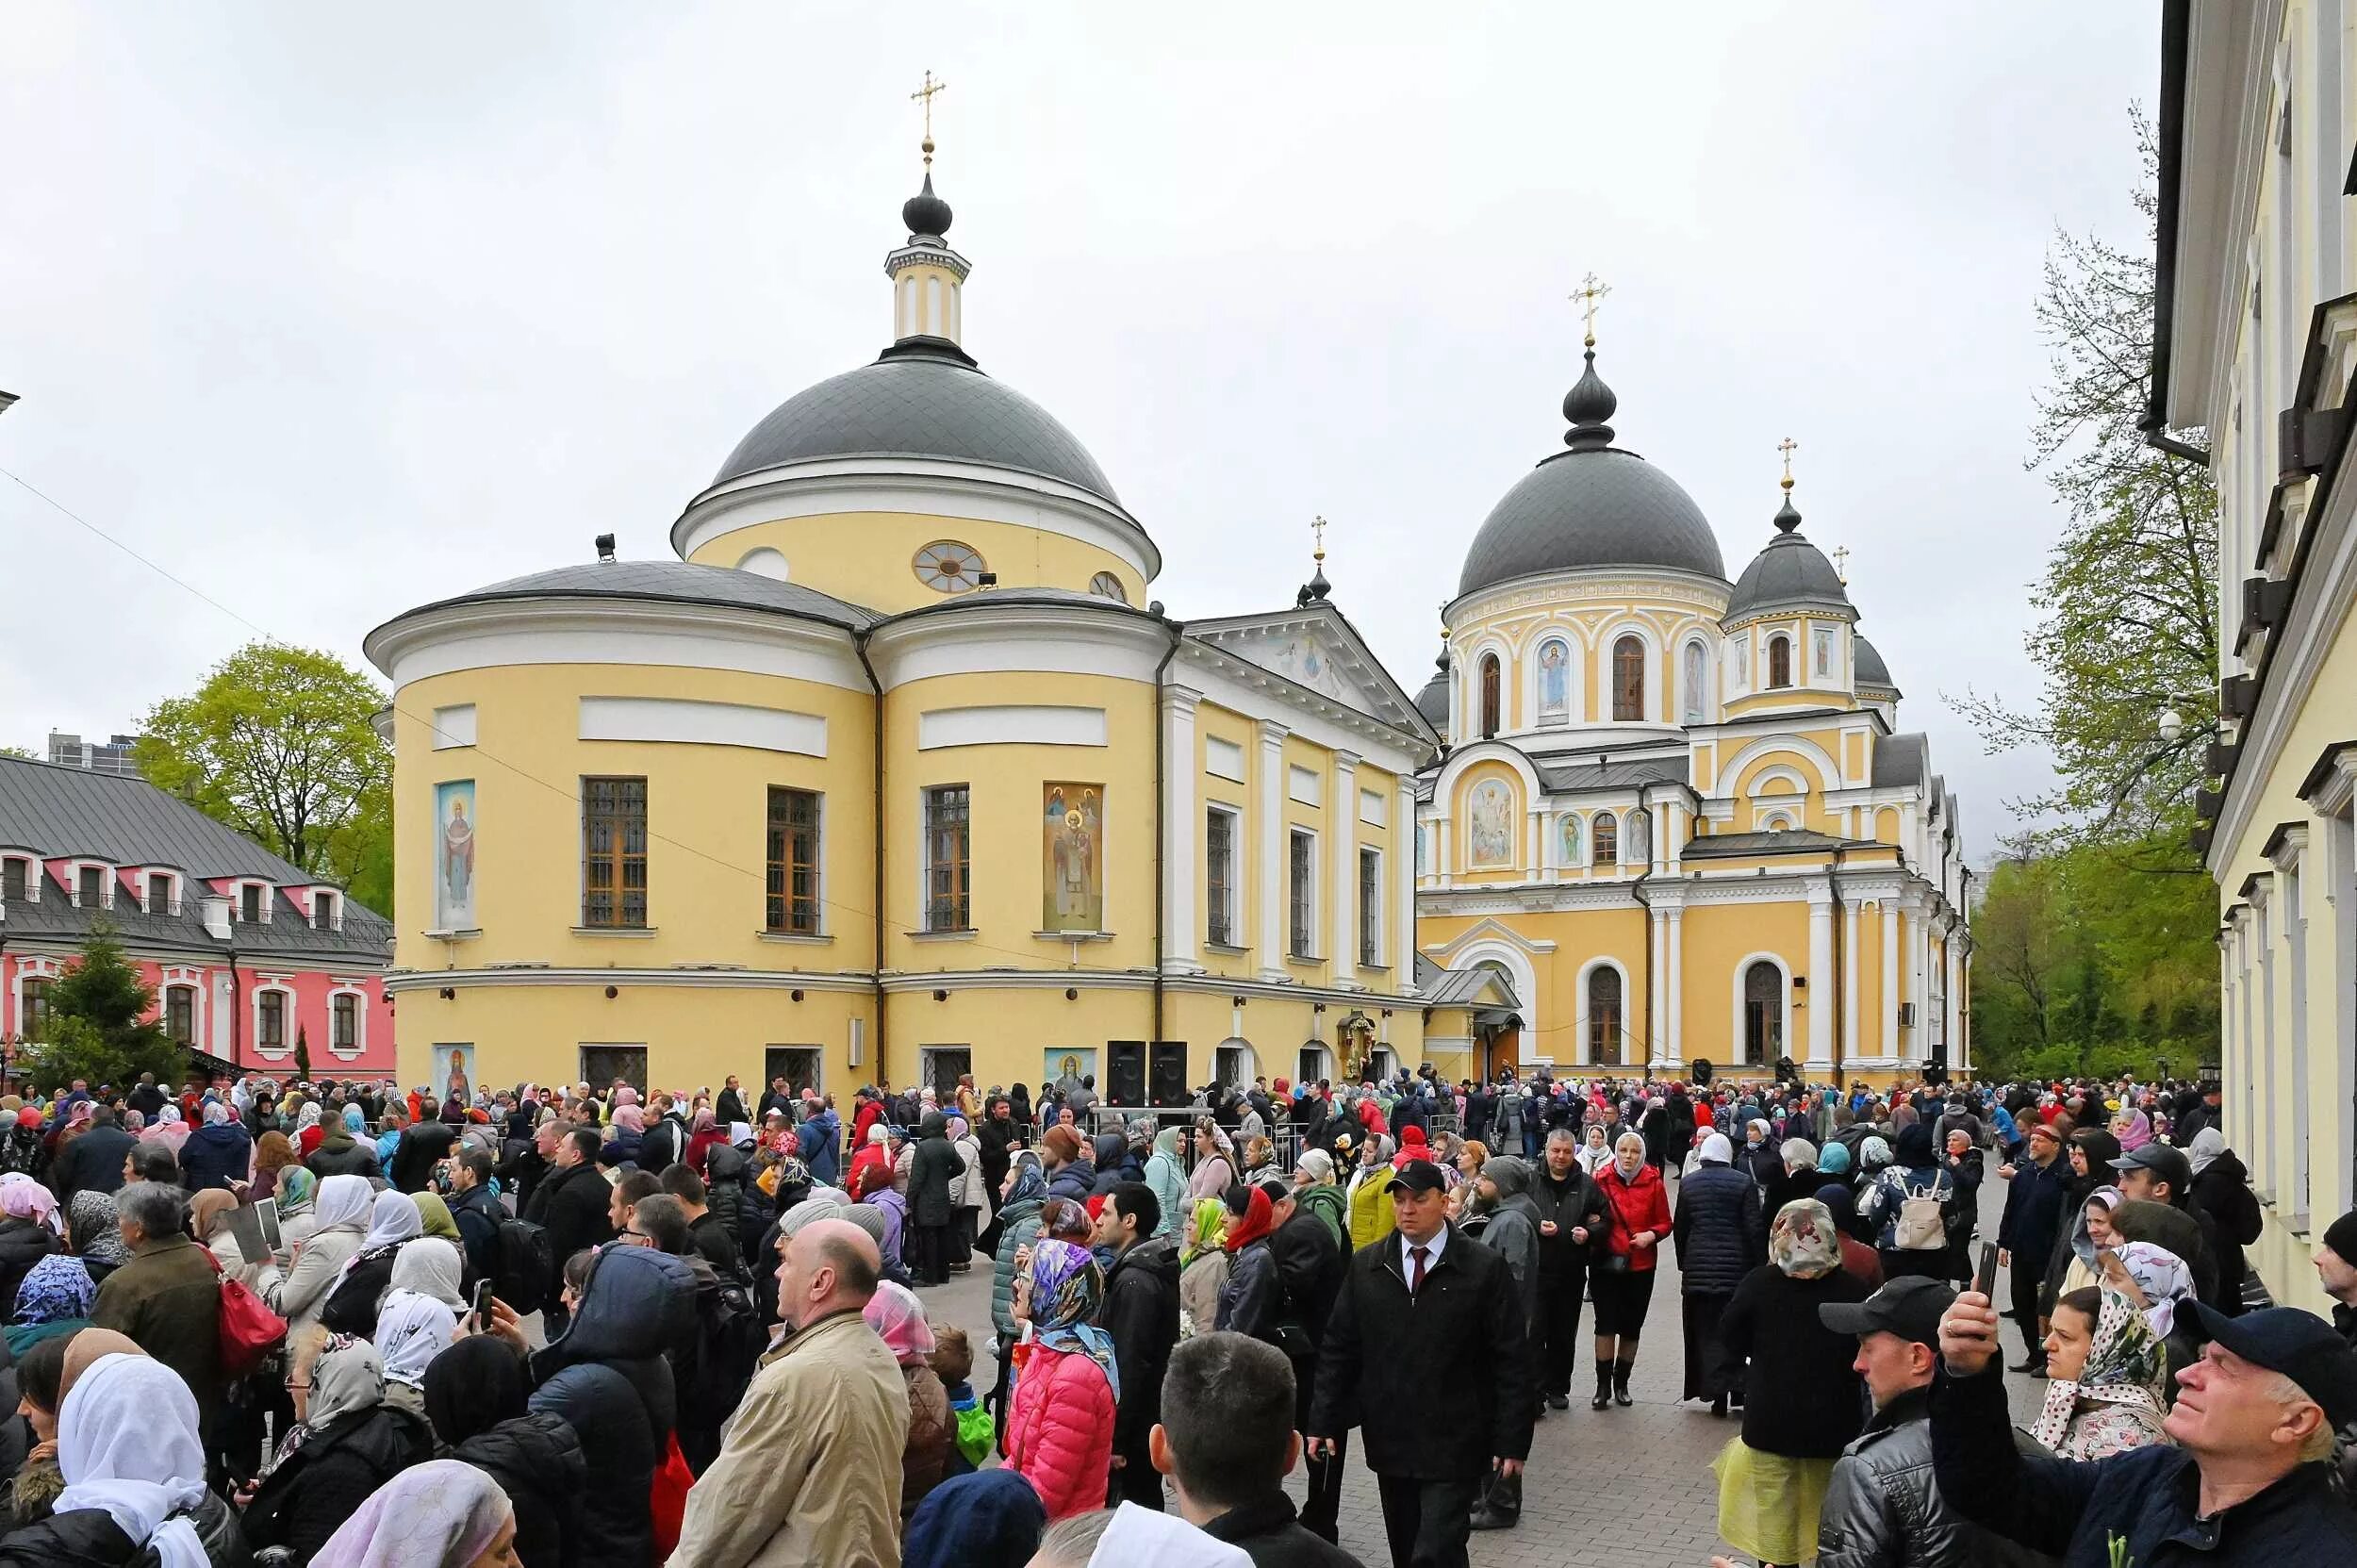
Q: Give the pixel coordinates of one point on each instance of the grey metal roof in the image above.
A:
(1901, 761)
(1432, 702)
(1616, 773)
(1458, 987)
(1791, 841)
(672, 582)
(1790, 574)
(366, 940)
(917, 402)
(1871, 671)
(1604, 508)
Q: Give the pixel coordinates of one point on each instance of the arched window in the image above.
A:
(1606, 838)
(1763, 1014)
(1697, 663)
(1604, 1015)
(1779, 660)
(1628, 680)
(1489, 695)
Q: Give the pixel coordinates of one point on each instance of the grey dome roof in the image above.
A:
(1867, 659)
(1432, 702)
(1790, 575)
(672, 582)
(921, 398)
(1590, 508)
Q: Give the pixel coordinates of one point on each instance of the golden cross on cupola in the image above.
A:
(1841, 564)
(1589, 295)
(925, 95)
(1317, 528)
(1787, 446)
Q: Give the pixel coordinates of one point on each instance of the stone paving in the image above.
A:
(1613, 1489)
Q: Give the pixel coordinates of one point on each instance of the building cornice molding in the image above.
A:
(1604, 589)
(562, 629)
(702, 977)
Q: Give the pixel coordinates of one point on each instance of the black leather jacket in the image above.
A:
(1882, 1509)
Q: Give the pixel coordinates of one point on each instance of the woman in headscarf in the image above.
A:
(2221, 1189)
(28, 1233)
(1165, 1173)
(1019, 1207)
(218, 1154)
(345, 1444)
(419, 1317)
(1621, 1273)
(2133, 1127)
(2090, 1151)
(899, 1321)
(969, 1194)
(1203, 1267)
(1372, 1216)
(2107, 1378)
(1252, 1300)
(95, 1232)
(208, 1223)
(705, 1133)
(169, 1129)
(988, 1519)
(127, 1445)
(630, 1135)
(871, 1168)
(1060, 1430)
(394, 1221)
(1214, 1159)
(476, 1399)
(1913, 1205)
(54, 1299)
(1758, 1158)
(297, 1191)
(440, 1514)
(308, 1132)
(1719, 1242)
(340, 1214)
(1595, 1151)
(2090, 1231)
(1803, 1402)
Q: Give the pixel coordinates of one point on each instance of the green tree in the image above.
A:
(303, 1055)
(2128, 622)
(279, 744)
(18, 751)
(99, 1026)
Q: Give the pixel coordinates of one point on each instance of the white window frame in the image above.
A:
(1372, 926)
(335, 908)
(28, 967)
(1580, 1052)
(1234, 869)
(266, 895)
(106, 880)
(36, 872)
(171, 881)
(282, 986)
(360, 1020)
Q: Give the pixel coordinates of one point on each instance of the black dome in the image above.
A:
(1790, 575)
(1432, 702)
(926, 214)
(917, 402)
(1868, 661)
(1590, 508)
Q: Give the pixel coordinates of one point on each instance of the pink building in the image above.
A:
(246, 952)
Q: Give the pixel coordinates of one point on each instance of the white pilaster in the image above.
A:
(1341, 818)
(1181, 814)
(1890, 977)
(1819, 973)
(1272, 936)
(1849, 981)
(1676, 983)
(1401, 948)
(1658, 934)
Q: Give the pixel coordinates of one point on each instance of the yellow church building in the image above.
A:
(897, 774)
(1675, 813)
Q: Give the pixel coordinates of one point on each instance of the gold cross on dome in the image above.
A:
(1589, 292)
(925, 95)
(1317, 528)
(1787, 446)
(1841, 564)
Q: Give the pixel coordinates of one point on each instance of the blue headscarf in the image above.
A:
(356, 1123)
(56, 1298)
(1029, 1186)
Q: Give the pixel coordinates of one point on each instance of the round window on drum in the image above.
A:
(1106, 586)
(947, 565)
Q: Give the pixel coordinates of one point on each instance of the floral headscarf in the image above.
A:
(1066, 1289)
(1803, 1243)
(1204, 1229)
(97, 1235)
(2164, 1279)
(1874, 1154)
(899, 1319)
(297, 1187)
(2125, 1366)
(55, 1289)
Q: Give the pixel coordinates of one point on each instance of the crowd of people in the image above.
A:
(563, 1325)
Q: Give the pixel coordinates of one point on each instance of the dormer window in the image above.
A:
(90, 886)
(160, 893)
(322, 911)
(16, 879)
(250, 904)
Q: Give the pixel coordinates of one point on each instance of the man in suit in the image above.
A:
(1426, 1310)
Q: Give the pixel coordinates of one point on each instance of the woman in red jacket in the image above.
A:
(1620, 1283)
(1060, 1426)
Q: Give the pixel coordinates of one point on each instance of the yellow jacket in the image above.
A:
(1370, 1214)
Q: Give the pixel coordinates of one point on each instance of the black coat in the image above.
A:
(1719, 1238)
(1575, 1203)
(2033, 1217)
(1269, 1534)
(89, 1538)
(2222, 1190)
(935, 1164)
(1310, 1265)
(93, 1162)
(23, 1244)
(1440, 1381)
(478, 1214)
(323, 1483)
(537, 1461)
(1141, 1313)
(215, 1155)
(1800, 1397)
(2145, 1500)
(420, 1149)
(349, 1157)
(572, 1205)
(665, 1142)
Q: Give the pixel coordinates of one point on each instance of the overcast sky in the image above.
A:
(330, 312)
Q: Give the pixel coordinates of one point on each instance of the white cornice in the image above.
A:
(1663, 587)
(1234, 682)
(832, 487)
(1015, 636)
(398, 981)
(559, 630)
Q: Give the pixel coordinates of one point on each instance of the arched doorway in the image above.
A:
(1232, 1063)
(1763, 1013)
(1316, 1065)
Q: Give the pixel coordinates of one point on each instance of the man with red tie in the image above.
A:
(1426, 1310)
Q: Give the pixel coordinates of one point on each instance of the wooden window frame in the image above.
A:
(33, 1003)
(1219, 877)
(1369, 907)
(342, 1008)
(790, 900)
(1301, 894)
(1603, 1026)
(1604, 839)
(1628, 678)
(1493, 695)
(179, 1011)
(1779, 662)
(266, 1037)
(948, 818)
(613, 816)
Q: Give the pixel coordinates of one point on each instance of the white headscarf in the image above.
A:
(2207, 1145)
(411, 1331)
(429, 1515)
(1717, 1148)
(430, 1266)
(340, 1201)
(128, 1443)
(1145, 1538)
(392, 1220)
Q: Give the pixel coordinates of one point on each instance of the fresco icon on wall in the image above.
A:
(454, 856)
(1072, 842)
(1491, 829)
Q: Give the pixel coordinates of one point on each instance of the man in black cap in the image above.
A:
(1882, 1509)
(1425, 1349)
(2336, 1271)
(2247, 1483)
(2159, 1174)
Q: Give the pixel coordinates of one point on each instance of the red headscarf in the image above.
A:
(1412, 1146)
(1259, 1218)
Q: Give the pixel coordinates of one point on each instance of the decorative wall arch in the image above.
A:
(1775, 773)
(1697, 695)
(1736, 1024)
(1540, 680)
(1828, 771)
(1632, 1051)
(1518, 969)
(1607, 642)
(1491, 810)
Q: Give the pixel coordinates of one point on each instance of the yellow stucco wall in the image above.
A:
(865, 556)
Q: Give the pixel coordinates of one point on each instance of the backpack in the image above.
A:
(527, 1261)
(729, 1340)
(1923, 1219)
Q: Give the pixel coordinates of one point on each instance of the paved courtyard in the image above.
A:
(1616, 1488)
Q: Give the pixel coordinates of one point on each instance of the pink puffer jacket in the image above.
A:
(1059, 1435)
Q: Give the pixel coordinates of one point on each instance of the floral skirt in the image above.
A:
(1767, 1504)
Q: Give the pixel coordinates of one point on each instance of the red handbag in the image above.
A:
(251, 1333)
(668, 1498)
